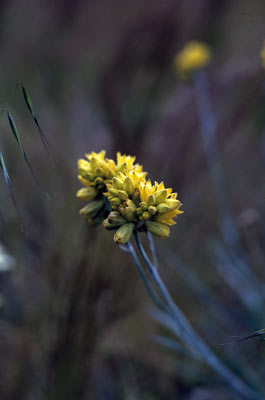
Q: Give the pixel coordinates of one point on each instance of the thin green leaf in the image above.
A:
(17, 137)
(31, 109)
(14, 129)
(28, 101)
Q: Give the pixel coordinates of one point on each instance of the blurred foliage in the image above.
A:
(74, 320)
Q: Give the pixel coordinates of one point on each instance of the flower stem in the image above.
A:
(152, 248)
(143, 277)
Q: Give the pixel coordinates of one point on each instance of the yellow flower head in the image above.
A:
(97, 170)
(124, 188)
(262, 55)
(195, 55)
(158, 207)
(95, 173)
(138, 204)
(119, 191)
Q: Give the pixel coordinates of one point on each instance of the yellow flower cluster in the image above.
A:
(262, 55)
(195, 55)
(125, 198)
(94, 173)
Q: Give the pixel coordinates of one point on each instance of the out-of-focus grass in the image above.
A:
(73, 321)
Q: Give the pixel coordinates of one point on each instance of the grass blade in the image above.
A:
(14, 129)
(8, 182)
(255, 335)
(17, 137)
(4, 169)
(31, 109)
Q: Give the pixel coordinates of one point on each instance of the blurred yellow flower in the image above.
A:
(262, 55)
(195, 55)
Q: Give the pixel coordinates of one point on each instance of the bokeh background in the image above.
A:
(75, 320)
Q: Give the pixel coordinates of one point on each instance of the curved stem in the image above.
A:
(141, 272)
(152, 248)
(173, 309)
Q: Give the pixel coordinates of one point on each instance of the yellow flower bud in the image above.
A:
(161, 196)
(151, 200)
(136, 196)
(84, 181)
(114, 192)
(95, 163)
(116, 219)
(157, 228)
(91, 209)
(86, 174)
(128, 186)
(124, 233)
(146, 215)
(117, 183)
(172, 204)
(122, 195)
(115, 201)
(131, 204)
(128, 210)
(108, 225)
(84, 168)
(144, 205)
(99, 172)
(88, 193)
(98, 180)
(152, 210)
(83, 164)
(162, 208)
